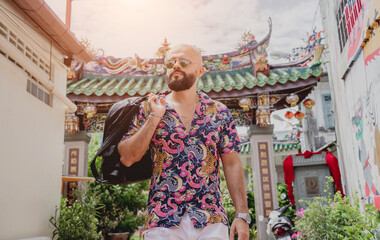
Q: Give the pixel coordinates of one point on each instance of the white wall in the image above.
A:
(357, 105)
(31, 145)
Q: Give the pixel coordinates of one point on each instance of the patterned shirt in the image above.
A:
(186, 175)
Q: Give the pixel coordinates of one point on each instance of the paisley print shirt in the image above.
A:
(186, 174)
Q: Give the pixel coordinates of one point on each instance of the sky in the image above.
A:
(123, 28)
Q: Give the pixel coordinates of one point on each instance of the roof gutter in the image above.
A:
(49, 22)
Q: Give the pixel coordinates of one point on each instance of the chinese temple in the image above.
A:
(242, 79)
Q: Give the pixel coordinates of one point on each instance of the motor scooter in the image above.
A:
(280, 225)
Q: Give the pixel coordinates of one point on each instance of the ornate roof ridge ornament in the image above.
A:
(136, 66)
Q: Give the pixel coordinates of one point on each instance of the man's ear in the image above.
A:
(201, 72)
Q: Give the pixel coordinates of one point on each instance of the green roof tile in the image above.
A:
(220, 84)
(95, 87)
(294, 75)
(126, 87)
(239, 83)
(262, 79)
(158, 86)
(200, 84)
(317, 72)
(242, 80)
(230, 83)
(251, 80)
(85, 86)
(137, 87)
(274, 76)
(147, 88)
(103, 89)
(75, 84)
(210, 83)
(116, 88)
(245, 148)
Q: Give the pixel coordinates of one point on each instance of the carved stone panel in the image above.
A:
(310, 182)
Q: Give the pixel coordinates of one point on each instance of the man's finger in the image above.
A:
(232, 233)
(152, 98)
(162, 101)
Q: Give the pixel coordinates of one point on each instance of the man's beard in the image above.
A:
(180, 83)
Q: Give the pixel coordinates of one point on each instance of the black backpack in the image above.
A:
(117, 123)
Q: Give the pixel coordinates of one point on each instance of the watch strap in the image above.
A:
(244, 216)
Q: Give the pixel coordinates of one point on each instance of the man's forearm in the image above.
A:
(133, 148)
(235, 182)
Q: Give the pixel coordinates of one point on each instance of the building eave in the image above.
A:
(48, 21)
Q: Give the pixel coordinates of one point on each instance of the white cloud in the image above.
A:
(125, 27)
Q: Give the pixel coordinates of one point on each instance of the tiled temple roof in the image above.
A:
(95, 84)
(277, 147)
(241, 73)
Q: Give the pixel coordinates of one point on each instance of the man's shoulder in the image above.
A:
(212, 103)
(218, 105)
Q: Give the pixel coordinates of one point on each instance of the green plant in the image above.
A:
(77, 221)
(284, 201)
(119, 206)
(336, 218)
(93, 146)
(130, 222)
(230, 209)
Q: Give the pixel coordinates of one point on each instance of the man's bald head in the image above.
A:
(181, 77)
(188, 50)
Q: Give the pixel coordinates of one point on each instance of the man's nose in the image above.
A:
(177, 65)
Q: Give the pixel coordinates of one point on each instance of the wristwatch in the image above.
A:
(244, 216)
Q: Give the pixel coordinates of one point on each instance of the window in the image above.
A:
(347, 14)
(328, 113)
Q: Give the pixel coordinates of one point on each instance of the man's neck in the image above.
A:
(184, 97)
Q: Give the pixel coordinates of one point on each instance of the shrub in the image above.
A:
(77, 221)
(284, 201)
(336, 218)
(119, 206)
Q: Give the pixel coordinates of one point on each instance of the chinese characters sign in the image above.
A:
(265, 178)
(73, 161)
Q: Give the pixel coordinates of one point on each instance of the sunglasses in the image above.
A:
(182, 61)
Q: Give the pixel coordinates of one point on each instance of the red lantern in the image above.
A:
(309, 103)
(299, 115)
(289, 114)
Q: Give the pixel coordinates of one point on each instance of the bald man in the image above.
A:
(187, 133)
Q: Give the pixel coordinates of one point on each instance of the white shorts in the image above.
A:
(186, 231)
